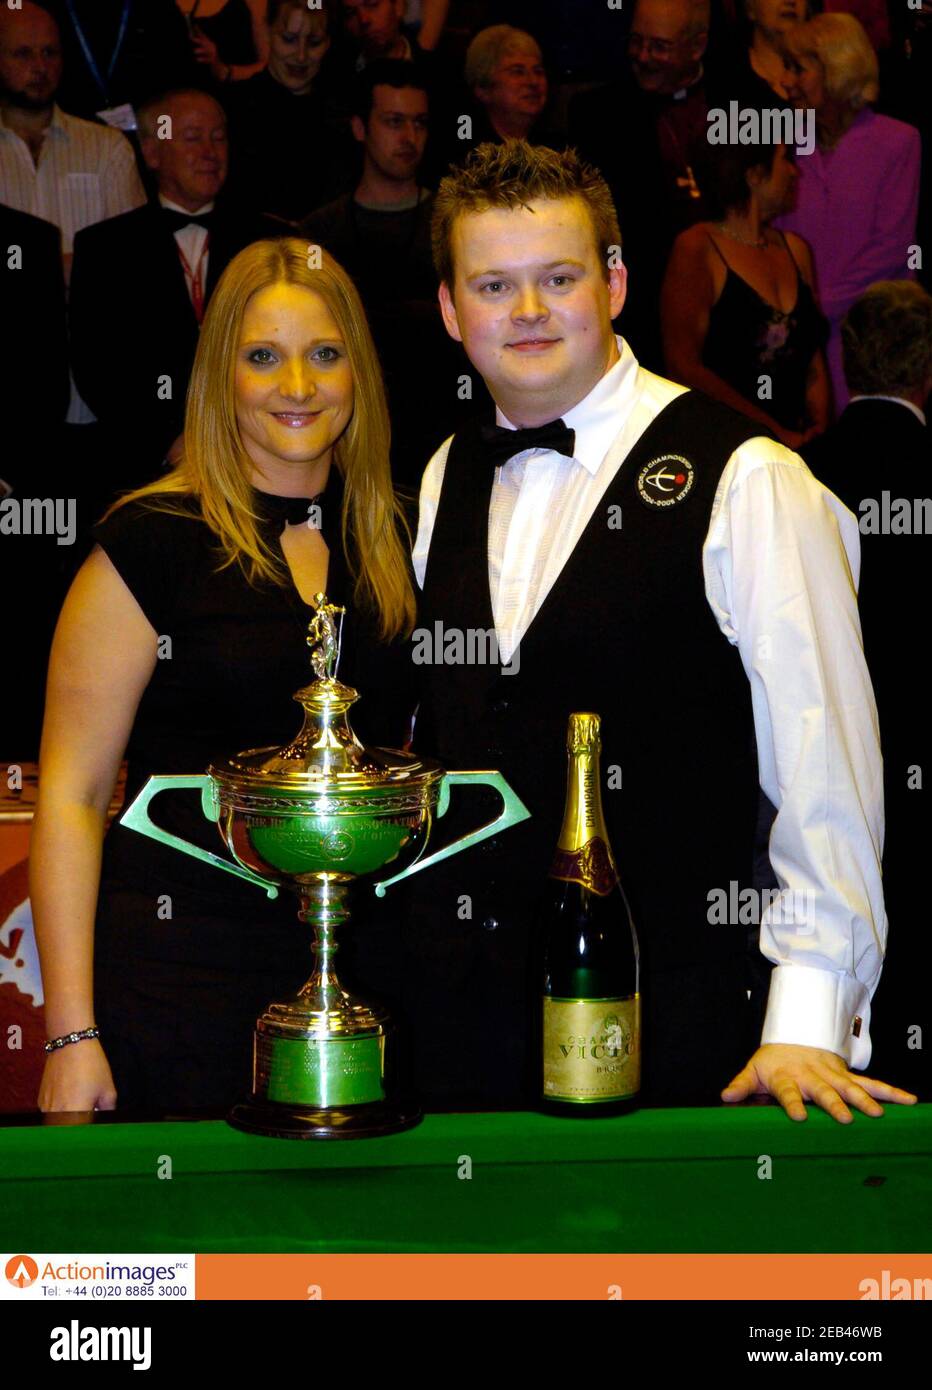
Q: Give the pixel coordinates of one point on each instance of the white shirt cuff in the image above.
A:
(818, 1008)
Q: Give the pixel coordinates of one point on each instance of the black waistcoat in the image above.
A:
(625, 631)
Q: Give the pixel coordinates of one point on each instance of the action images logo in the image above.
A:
(21, 1271)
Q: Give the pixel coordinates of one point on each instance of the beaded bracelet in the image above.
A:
(71, 1038)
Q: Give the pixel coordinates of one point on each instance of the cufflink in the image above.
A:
(856, 1026)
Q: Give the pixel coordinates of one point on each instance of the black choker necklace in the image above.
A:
(291, 511)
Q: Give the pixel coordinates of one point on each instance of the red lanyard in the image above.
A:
(194, 278)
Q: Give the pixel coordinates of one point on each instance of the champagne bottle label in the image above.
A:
(592, 1049)
(590, 865)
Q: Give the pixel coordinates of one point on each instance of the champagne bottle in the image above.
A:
(591, 1001)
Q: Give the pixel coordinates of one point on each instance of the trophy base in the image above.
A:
(279, 1121)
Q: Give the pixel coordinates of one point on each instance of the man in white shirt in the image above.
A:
(525, 288)
(68, 171)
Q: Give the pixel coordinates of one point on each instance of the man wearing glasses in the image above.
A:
(666, 44)
(643, 132)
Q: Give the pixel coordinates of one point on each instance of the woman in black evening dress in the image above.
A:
(740, 317)
(181, 642)
(229, 37)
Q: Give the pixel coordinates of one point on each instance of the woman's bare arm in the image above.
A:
(818, 395)
(433, 20)
(102, 658)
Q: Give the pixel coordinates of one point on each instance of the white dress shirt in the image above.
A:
(781, 564)
(85, 174)
(192, 240)
(896, 400)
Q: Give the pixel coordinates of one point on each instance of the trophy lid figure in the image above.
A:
(324, 637)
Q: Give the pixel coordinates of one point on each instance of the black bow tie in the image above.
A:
(277, 511)
(178, 220)
(501, 444)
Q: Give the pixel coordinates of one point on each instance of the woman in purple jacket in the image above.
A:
(858, 191)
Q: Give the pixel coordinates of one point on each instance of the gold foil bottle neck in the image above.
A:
(583, 733)
(583, 854)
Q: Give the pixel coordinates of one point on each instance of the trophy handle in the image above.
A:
(513, 810)
(136, 817)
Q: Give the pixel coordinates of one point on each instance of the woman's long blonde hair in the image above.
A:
(214, 464)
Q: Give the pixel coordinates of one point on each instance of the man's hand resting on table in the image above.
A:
(792, 1073)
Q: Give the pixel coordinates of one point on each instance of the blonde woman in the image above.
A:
(858, 195)
(182, 641)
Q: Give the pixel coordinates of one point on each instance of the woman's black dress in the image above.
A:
(187, 956)
(749, 338)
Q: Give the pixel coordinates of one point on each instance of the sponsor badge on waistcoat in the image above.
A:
(666, 480)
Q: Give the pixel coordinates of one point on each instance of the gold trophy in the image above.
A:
(314, 816)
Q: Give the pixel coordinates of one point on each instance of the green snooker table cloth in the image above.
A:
(728, 1179)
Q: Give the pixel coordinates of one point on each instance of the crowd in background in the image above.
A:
(336, 121)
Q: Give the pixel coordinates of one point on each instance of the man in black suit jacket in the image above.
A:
(34, 393)
(877, 442)
(877, 452)
(33, 403)
(876, 458)
(140, 284)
